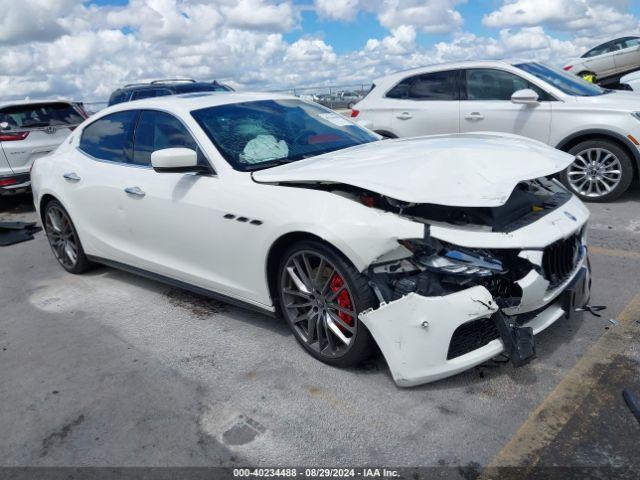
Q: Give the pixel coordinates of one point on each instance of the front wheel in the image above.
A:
(601, 171)
(320, 296)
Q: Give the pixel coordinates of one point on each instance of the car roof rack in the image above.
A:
(173, 80)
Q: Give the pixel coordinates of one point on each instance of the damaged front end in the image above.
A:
(445, 308)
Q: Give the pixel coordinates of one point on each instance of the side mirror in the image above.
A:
(176, 160)
(526, 96)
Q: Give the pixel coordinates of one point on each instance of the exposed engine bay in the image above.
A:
(529, 201)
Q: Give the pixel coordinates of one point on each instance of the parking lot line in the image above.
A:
(614, 252)
(550, 416)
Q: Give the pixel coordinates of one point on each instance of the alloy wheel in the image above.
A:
(62, 236)
(319, 303)
(595, 172)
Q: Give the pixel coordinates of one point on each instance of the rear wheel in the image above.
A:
(320, 296)
(63, 239)
(601, 171)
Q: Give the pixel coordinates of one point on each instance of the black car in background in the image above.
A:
(159, 88)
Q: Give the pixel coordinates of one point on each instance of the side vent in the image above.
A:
(231, 216)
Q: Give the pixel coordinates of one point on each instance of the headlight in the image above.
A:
(636, 115)
(457, 262)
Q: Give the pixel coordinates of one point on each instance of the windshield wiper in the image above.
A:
(269, 164)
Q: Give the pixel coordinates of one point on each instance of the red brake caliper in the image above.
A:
(344, 300)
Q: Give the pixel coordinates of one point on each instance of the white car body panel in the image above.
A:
(178, 228)
(633, 80)
(444, 170)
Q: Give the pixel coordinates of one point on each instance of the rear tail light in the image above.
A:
(7, 181)
(12, 137)
(567, 68)
(354, 113)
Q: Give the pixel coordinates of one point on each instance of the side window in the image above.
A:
(599, 50)
(631, 42)
(489, 84)
(401, 90)
(149, 93)
(108, 138)
(428, 86)
(158, 130)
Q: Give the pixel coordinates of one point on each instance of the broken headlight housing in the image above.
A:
(452, 260)
(459, 262)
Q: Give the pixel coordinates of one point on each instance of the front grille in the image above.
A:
(560, 259)
(471, 336)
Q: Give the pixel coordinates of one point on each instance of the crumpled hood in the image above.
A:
(464, 170)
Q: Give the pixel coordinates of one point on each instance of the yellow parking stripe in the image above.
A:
(614, 252)
(548, 419)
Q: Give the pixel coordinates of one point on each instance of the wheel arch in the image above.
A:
(44, 201)
(596, 134)
(386, 133)
(277, 250)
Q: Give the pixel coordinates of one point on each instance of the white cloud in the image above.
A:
(590, 17)
(345, 10)
(84, 51)
(430, 16)
(33, 20)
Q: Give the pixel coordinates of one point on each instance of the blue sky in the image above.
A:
(87, 48)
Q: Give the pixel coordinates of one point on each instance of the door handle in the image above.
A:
(474, 116)
(404, 116)
(135, 191)
(72, 176)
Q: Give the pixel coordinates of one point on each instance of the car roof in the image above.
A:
(166, 84)
(17, 103)
(603, 42)
(187, 102)
(437, 67)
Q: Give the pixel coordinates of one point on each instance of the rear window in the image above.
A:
(40, 115)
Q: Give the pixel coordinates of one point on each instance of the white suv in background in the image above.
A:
(607, 59)
(28, 130)
(600, 127)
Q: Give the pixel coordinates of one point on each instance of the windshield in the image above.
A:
(39, 115)
(261, 134)
(566, 82)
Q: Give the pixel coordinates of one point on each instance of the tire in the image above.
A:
(63, 239)
(309, 314)
(608, 157)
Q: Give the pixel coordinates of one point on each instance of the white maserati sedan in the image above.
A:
(444, 251)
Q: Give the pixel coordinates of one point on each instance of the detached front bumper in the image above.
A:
(424, 339)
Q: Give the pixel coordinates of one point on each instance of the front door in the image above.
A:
(486, 105)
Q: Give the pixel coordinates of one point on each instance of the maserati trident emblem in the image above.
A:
(570, 216)
(50, 130)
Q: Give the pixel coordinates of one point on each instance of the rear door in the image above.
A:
(94, 179)
(426, 104)
(628, 56)
(35, 130)
(486, 105)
